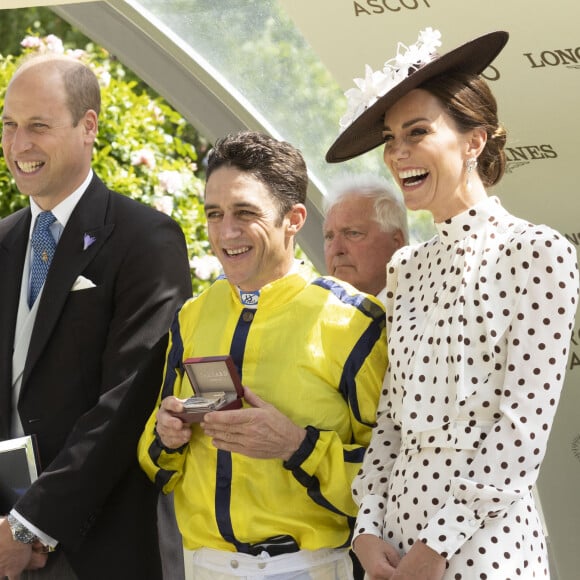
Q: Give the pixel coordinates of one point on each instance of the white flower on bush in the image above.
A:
(143, 157)
(205, 267)
(104, 76)
(54, 44)
(156, 112)
(51, 43)
(77, 53)
(31, 42)
(163, 203)
(197, 186)
(172, 182)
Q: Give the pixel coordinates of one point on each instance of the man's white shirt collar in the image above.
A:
(64, 209)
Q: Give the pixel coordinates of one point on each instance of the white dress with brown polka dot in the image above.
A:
(479, 322)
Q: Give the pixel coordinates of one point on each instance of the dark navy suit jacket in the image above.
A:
(92, 375)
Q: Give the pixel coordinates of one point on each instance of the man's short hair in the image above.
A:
(80, 82)
(277, 164)
(390, 210)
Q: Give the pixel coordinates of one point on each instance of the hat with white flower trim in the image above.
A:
(362, 125)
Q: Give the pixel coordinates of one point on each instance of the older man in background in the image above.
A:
(365, 223)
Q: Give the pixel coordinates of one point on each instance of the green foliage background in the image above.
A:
(134, 117)
(145, 149)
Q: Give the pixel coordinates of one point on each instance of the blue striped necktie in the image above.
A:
(43, 245)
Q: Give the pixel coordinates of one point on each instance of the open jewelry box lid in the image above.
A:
(216, 386)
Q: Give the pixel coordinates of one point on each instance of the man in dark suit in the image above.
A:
(80, 364)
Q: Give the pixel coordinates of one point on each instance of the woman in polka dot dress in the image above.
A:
(479, 322)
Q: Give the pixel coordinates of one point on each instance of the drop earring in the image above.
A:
(470, 165)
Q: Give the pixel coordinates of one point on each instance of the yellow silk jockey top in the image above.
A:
(317, 352)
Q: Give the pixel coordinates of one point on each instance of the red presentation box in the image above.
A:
(216, 386)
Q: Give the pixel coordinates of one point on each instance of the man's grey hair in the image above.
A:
(390, 210)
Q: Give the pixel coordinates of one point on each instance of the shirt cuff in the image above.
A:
(303, 452)
(371, 515)
(450, 528)
(44, 538)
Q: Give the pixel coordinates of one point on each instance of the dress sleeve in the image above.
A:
(537, 341)
(369, 488)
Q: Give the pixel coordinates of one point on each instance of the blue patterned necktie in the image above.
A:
(43, 245)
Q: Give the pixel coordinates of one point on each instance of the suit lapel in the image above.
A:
(90, 217)
(13, 242)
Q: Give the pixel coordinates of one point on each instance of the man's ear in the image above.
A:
(399, 239)
(296, 218)
(90, 124)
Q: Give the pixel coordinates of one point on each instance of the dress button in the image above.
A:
(247, 316)
(262, 565)
(234, 564)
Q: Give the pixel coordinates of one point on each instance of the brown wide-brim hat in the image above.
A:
(366, 131)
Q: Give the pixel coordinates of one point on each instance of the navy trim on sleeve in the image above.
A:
(311, 483)
(359, 301)
(306, 447)
(174, 359)
(355, 362)
(365, 344)
(162, 476)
